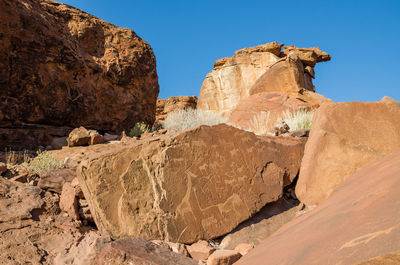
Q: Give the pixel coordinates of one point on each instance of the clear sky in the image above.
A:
(363, 38)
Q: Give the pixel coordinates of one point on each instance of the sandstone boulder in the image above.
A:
(183, 186)
(60, 66)
(139, 252)
(169, 105)
(69, 202)
(359, 221)
(200, 250)
(345, 137)
(81, 137)
(55, 180)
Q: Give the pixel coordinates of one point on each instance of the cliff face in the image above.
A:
(60, 66)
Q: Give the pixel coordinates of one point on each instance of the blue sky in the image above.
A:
(363, 38)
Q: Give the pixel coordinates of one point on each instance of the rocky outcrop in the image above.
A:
(169, 105)
(344, 138)
(359, 221)
(60, 66)
(181, 186)
(261, 69)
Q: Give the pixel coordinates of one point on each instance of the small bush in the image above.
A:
(259, 123)
(300, 119)
(138, 129)
(181, 120)
(44, 162)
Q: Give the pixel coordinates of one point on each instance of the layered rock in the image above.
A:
(60, 66)
(171, 104)
(261, 69)
(344, 138)
(182, 186)
(359, 221)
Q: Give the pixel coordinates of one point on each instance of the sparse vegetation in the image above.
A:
(259, 123)
(189, 118)
(300, 119)
(138, 129)
(44, 162)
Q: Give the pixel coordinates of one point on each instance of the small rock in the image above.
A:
(300, 133)
(200, 250)
(178, 248)
(223, 257)
(243, 248)
(78, 137)
(55, 180)
(69, 202)
(281, 127)
(110, 137)
(95, 138)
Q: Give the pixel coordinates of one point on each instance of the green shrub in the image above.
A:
(138, 129)
(300, 119)
(44, 162)
(181, 120)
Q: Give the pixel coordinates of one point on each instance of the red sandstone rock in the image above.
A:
(359, 221)
(63, 67)
(188, 181)
(69, 202)
(308, 56)
(55, 180)
(345, 137)
(223, 257)
(169, 105)
(243, 248)
(200, 250)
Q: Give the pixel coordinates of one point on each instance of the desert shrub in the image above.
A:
(189, 118)
(300, 119)
(259, 123)
(44, 162)
(138, 129)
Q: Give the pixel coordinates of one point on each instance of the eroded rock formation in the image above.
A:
(169, 105)
(261, 69)
(60, 66)
(344, 138)
(196, 184)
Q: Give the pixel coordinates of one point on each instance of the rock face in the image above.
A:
(260, 69)
(359, 221)
(181, 187)
(169, 105)
(63, 67)
(344, 138)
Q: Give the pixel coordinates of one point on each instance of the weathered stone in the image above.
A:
(139, 252)
(95, 138)
(55, 180)
(345, 137)
(272, 47)
(165, 187)
(78, 137)
(69, 202)
(308, 56)
(171, 104)
(231, 80)
(178, 248)
(243, 248)
(200, 250)
(224, 257)
(392, 258)
(63, 67)
(359, 221)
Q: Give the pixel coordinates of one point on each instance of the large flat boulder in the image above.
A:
(345, 137)
(60, 66)
(186, 186)
(359, 221)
